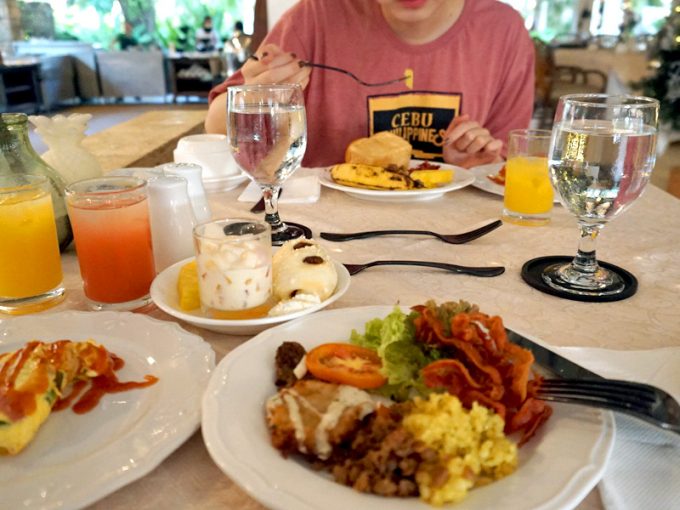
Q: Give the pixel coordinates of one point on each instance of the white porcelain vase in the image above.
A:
(63, 137)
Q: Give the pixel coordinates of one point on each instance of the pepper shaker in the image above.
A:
(172, 220)
(193, 175)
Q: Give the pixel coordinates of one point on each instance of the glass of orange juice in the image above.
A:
(110, 220)
(30, 265)
(528, 197)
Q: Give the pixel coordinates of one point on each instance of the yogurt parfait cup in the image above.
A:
(234, 262)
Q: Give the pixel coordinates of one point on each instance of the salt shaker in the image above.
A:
(193, 175)
(172, 220)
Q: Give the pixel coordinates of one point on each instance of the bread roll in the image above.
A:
(382, 149)
(301, 266)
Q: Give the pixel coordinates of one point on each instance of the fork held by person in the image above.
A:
(457, 110)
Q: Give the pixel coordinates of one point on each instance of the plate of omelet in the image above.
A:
(380, 168)
(64, 444)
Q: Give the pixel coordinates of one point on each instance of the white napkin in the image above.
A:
(296, 190)
(644, 469)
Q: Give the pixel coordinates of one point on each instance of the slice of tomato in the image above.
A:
(346, 364)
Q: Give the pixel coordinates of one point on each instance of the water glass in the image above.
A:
(30, 265)
(234, 260)
(528, 197)
(602, 154)
(110, 219)
(267, 132)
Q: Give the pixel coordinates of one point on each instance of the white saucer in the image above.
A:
(164, 294)
(217, 184)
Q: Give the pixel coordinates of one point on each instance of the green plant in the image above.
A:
(142, 14)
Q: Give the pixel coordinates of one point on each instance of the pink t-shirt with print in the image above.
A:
(483, 66)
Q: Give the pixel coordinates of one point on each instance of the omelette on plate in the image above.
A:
(35, 378)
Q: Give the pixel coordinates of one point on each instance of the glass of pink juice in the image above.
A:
(110, 220)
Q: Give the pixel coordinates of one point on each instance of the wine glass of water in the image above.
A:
(267, 132)
(602, 153)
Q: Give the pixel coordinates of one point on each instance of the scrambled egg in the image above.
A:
(472, 443)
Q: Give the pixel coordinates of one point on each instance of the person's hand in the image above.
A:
(273, 65)
(468, 144)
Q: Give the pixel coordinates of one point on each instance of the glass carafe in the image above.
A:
(17, 156)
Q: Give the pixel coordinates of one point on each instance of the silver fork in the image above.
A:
(474, 271)
(643, 401)
(307, 63)
(462, 238)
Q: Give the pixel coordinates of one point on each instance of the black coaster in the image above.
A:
(305, 229)
(532, 270)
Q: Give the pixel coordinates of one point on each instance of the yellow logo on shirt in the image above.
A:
(421, 118)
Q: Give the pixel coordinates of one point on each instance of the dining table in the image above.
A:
(645, 240)
(622, 67)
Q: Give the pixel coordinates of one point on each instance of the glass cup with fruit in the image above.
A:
(528, 197)
(234, 264)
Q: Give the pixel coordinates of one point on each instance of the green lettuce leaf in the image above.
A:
(393, 339)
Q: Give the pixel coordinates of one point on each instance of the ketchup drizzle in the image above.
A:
(17, 403)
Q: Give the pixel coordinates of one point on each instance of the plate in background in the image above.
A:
(461, 178)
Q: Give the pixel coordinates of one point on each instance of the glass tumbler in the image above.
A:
(528, 197)
(234, 260)
(30, 265)
(110, 219)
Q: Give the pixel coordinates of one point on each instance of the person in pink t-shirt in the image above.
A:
(472, 63)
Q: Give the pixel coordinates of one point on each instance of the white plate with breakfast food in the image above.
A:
(380, 168)
(489, 177)
(308, 290)
(555, 469)
(91, 448)
(460, 179)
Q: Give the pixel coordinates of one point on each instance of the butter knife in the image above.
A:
(557, 365)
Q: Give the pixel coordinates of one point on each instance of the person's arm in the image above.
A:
(277, 61)
(468, 144)
(273, 65)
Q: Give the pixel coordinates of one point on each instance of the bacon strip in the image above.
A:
(483, 367)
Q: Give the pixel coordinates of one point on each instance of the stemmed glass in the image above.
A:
(267, 132)
(602, 153)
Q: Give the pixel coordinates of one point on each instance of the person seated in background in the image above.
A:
(126, 40)
(239, 46)
(206, 38)
(472, 66)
